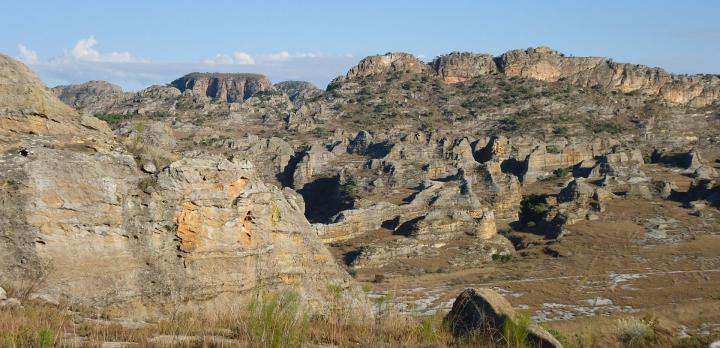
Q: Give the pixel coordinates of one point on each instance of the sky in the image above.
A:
(139, 43)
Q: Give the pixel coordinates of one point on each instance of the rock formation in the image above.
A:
(86, 93)
(484, 311)
(461, 66)
(298, 91)
(87, 226)
(231, 88)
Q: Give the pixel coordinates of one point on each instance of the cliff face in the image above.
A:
(546, 64)
(226, 87)
(460, 66)
(80, 221)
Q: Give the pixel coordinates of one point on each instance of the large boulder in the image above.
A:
(485, 311)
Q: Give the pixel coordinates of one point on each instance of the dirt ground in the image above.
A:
(603, 269)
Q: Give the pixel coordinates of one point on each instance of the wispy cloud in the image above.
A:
(86, 61)
(284, 56)
(239, 58)
(85, 51)
(26, 55)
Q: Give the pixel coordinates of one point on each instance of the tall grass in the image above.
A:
(32, 326)
(516, 330)
(275, 320)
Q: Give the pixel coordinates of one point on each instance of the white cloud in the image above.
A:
(27, 56)
(283, 56)
(239, 58)
(84, 51)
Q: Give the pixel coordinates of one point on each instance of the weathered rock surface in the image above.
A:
(461, 66)
(226, 87)
(298, 91)
(484, 311)
(87, 93)
(384, 64)
(203, 233)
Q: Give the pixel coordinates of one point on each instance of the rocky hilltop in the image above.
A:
(226, 87)
(87, 93)
(87, 223)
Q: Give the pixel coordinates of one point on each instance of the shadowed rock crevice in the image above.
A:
(324, 198)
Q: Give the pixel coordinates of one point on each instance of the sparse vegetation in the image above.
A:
(113, 119)
(634, 332)
(516, 331)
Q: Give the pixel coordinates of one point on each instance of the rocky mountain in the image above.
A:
(87, 93)
(90, 221)
(226, 87)
(526, 171)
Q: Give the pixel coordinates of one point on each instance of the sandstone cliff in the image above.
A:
(81, 223)
(226, 87)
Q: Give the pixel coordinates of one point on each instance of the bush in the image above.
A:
(609, 127)
(634, 332)
(113, 119)
(561, 172)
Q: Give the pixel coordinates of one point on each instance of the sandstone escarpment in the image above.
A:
(461, 66)
(83, 224)
(227, 87)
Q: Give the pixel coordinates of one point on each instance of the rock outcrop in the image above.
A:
(485, 312)
(79, 219)
(231, 88)
(298, 91)
(87, 93)
(384, 64)
(461, 66)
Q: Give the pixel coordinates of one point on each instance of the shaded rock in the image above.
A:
(360, 144)
(484, 311)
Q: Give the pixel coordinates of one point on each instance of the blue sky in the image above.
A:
(139, 43)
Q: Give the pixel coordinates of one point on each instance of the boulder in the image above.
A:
(485, 311)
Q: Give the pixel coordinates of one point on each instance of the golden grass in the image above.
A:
(279, 321)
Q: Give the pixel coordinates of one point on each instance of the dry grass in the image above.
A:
(278, 320)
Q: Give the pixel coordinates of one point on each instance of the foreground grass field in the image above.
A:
(279, 321)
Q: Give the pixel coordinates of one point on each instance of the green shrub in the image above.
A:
(502, 258)
(113, 119)
(609, 127)
(561, 172)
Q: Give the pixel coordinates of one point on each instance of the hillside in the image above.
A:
(580, 188)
